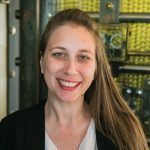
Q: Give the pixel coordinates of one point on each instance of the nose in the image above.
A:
(70, 67)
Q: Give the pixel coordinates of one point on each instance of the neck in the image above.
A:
(66, 112)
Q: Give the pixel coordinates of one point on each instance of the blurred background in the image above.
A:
(124, 26)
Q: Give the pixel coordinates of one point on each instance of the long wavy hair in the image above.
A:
(112, 116)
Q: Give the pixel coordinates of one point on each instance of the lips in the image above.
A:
(68, 85)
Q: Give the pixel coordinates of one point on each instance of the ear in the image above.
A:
(41, 65)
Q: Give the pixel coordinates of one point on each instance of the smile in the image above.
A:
(68, 83)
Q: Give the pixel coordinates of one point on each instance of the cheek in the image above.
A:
(52, 66)
(89, 72)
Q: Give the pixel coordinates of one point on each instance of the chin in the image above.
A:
(69, 99)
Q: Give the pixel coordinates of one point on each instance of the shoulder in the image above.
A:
(104, 142)
(22, 116)
(20, 125)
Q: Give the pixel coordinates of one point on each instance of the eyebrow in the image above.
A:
(63, 48)
(58, 47)
(86, 51)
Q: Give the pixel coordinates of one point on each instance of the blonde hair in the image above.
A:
(112, 115)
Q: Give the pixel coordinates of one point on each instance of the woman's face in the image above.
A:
(69, 63)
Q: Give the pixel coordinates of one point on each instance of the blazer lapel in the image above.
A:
(103, 143)
(35, 130)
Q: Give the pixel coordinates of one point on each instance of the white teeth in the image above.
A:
(69, 84)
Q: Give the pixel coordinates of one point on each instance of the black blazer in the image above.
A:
(25, 130)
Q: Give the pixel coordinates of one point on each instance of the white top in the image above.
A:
(88, 142)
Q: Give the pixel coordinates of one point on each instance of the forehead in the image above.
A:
(71, 33)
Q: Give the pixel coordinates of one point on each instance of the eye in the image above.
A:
(58, 54)
(84, 58)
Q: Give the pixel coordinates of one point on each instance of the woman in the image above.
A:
(84, 109)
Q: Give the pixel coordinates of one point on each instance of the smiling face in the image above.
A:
(69, 63)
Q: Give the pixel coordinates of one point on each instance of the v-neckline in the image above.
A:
(90, 133)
